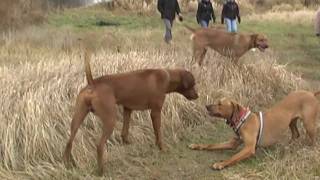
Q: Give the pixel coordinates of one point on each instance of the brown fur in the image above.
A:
(136, 90)
(298, 105)
(232, 45)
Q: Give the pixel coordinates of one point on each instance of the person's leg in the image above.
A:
(234, 27)
(227, 21)
(168, 26)
(203, 23)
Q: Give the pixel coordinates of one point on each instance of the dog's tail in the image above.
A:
(190, 28)
(87, 68)
(317, 93)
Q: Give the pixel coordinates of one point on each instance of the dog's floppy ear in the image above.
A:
(254, 36)
(236, 107)
(187, 79)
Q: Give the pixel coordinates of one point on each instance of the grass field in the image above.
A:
(41, 73)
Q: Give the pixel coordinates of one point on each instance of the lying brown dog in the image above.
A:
(137, 90)
(231, 45)
(298, 105)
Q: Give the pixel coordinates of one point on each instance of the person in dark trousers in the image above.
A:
(205, 13)
(230, 13)
(168, 10)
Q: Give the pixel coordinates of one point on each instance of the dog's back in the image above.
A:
(297, 101)
(135, 89)
(227, 44)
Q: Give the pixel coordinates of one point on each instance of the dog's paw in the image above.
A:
(194, 147)
(164, 150)
(100, 171)
(69, 162)
(218, 166)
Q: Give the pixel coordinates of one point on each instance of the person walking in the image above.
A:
(168, 10)
(230, 13)
(205, 13)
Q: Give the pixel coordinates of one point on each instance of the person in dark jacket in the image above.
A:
(230, 13)
(168, 10)
(205, 13)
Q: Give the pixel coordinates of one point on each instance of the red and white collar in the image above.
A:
(237, 120)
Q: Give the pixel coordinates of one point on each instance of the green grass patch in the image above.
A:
(88, 19)
(295, 44)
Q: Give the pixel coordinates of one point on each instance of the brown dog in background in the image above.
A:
(298, 105)
(137, 90)
(231, 45)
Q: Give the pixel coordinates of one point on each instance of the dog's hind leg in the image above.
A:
(126, 124)
(309, 123)
(294, 129)
(105, 108)
(309, 116)
(81, 110)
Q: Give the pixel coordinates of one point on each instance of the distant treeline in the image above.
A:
(278, 2)
(75, 3)
(68, 3)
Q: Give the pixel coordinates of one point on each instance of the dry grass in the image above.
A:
(18, 13)
(38, 97)
(41, 74)
(300, 16)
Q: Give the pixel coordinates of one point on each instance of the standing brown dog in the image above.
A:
(137, 90)
(298, 105)
(231, 45)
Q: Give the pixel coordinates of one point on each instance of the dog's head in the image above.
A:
(260, 41)
(187, 85)
(223, 108)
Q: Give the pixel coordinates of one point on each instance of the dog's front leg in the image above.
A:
(247, 151)
(243, 154)
(126, 124)
(231, 144)
(199, 54)
(156, 122)
(235, 60)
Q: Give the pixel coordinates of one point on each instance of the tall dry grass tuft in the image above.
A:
(37, 102)
(17, 13)
(136, 5)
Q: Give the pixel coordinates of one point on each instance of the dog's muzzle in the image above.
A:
(263, 47)
(213, 114)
